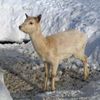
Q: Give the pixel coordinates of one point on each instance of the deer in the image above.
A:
(56, 47)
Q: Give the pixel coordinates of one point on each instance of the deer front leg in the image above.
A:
(53, 76)
(46, 77)
(85, 63)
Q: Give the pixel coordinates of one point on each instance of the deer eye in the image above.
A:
(31, 23)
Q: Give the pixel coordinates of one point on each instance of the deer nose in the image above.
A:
(20, 27)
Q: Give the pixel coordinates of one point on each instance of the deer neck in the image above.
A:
(39, 42)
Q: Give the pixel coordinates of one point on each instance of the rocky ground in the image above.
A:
(24, 74)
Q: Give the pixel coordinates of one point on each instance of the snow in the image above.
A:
(12, 14)
(57, 14)
(4, 93)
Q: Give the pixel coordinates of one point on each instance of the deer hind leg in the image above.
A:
(46, 76)
(86, 69)
(53, 75)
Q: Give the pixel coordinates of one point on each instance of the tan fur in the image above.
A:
(53, 49)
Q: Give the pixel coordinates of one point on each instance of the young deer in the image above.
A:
(52, 49)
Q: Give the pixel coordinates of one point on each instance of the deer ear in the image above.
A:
(26, 15)
(38, 18)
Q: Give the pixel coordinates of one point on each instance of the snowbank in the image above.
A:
(4, 93)
(59, 16)
(11, 15)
